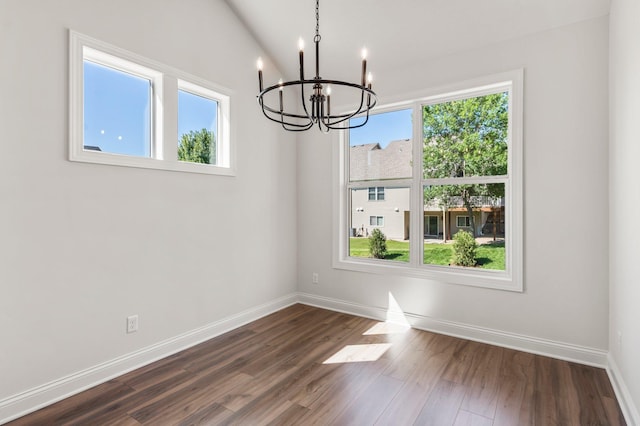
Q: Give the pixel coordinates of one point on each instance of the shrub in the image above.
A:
(377, 244)
(464, 249)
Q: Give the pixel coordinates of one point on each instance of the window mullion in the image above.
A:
(166, 115)
(416, 222)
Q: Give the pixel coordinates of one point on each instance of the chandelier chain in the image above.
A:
(317, 37)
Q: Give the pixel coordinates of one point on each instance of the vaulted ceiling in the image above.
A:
(396, 32)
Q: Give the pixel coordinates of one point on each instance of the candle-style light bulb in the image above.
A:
(328, 90)
(328, 100)
(301, 47)
(369, 79)
(364, 65)
(259, 64)
(280, 93)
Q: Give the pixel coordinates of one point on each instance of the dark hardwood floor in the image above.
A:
(305, 365)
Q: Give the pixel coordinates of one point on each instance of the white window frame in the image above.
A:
(165, 81)
(511, 278)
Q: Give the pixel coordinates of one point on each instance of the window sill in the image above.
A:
(149, 163)
(474, 277)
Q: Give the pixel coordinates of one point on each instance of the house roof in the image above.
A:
(372, 162)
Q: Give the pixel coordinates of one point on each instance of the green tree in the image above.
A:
(197, 147)
(463, 138)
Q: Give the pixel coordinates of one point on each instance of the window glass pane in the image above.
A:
(117, 111)
(476, 209)
(381, 193)
(372, 194)
(466, 137)
(390, 216)
(382, 148)
(197, 128)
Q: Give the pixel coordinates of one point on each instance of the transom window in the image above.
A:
(128, 110)
(117, 110)
(447, 164)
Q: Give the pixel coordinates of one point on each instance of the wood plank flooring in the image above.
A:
(304, 366)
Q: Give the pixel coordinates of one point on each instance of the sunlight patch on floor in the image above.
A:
(359, 353)
(387, 328)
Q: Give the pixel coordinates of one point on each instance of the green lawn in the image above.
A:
(489, 256)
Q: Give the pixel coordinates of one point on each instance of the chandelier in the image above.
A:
(315, 95)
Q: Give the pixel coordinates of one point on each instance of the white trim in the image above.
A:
(574, 353)
(164, 109)
(629, 409)
(33, 399)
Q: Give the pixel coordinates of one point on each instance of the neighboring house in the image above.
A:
(387, 207)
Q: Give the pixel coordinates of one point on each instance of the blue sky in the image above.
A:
(117, 111)
(382, 128)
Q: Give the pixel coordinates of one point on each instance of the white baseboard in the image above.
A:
(564, 351)
(33, 399)
(629, 409)
(41, 396)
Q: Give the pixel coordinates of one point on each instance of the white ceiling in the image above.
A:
(396, 32)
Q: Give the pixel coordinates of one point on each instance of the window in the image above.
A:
(127, 110)
(452, 163)
(376, 220)
(197, 124)
(117, 110)
(463, 221)
(376, 193)
(380, 169)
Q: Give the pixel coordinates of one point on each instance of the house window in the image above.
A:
(463, 221)
(128, 110)
(376, 193)
(460, 168)
(376, 220)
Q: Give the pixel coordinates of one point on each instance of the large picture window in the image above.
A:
(453, 168)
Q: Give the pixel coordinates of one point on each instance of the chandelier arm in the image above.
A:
(333, 126)
(301, 127)
(344, 117)
(304, 103)
(348, 116)
(277, 112)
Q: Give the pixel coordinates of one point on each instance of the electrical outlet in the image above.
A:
(132, 324)
(315, 278)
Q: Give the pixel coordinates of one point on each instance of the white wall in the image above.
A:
(624, 175)
(83, 246)
(565, 183)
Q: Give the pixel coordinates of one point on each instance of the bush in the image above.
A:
(377, 244)
(464, 249)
